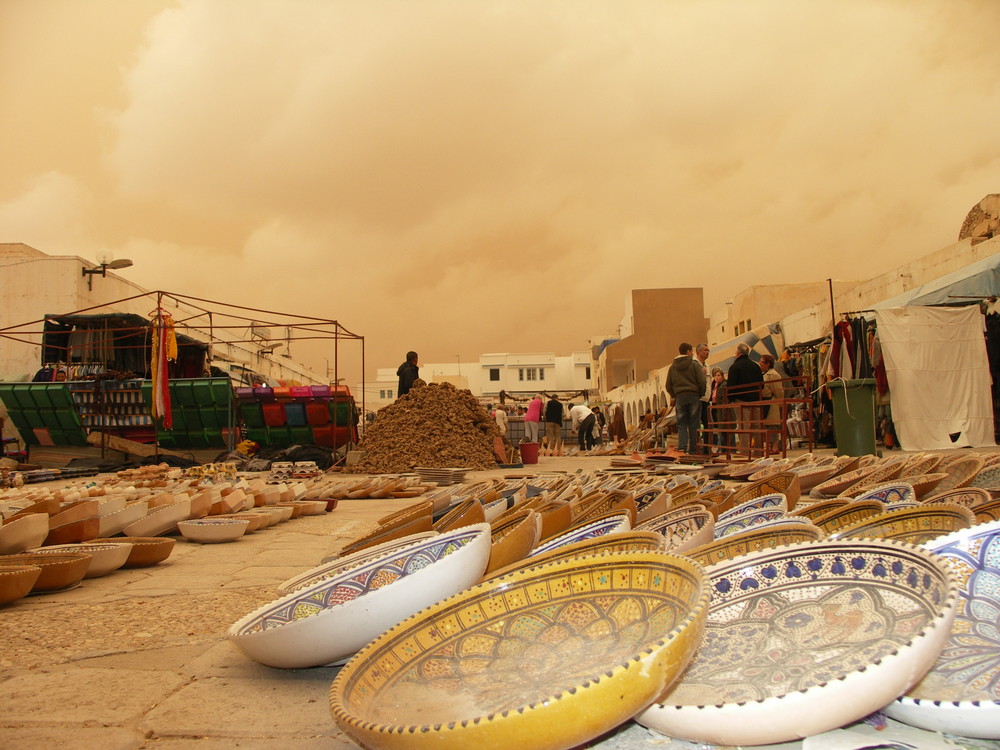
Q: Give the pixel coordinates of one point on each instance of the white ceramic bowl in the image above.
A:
(335, 563)
(961, 693)
(116, 522)
(23, 532)
(611, 524)
(213, 530)
(161, 521)
(333, 618)
(805, 638)
(105, 557)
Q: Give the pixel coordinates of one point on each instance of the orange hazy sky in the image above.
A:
(464, 177)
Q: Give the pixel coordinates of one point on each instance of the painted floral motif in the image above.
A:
(788, 622)
(357, 581)
(968, 668)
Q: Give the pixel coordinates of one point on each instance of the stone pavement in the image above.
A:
(139, 658)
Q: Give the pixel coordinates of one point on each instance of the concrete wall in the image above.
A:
(661, 319)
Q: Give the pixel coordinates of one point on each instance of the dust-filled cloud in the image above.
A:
(461, 177)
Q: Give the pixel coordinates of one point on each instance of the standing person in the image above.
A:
(719, 416)
(772, 389)
(500, 415)
(617, 431)
(531, 419)
(408, 372)
(742, 386)
(553, 426)
(599, 425)
(701, 353)
(583, 421)
(685, 384)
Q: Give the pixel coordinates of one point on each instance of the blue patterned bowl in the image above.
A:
(806, 638)
(896, 492)
(333, 618)
(611, 524)
(749, 520)
(773, 501)
(961, 693)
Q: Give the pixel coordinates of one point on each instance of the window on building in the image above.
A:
(749, 325)
(587, 372)
(520, 373)
(494, 373)
(541, 373)
(531, 373)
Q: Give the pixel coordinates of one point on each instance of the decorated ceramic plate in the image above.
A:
(333, 618)
(767, 536)
(961, 694)
(336, 564)
(549, 657)
(684, 528)
(748, 521)
(914, 525)
(602, 527)
(970, 497)
(894, 492)
(773, 501)
(809, 637)
(987, 479)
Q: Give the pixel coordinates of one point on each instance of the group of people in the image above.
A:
(693, 389)
(588, 422)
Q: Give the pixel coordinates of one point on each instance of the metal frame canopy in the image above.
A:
(201, 322)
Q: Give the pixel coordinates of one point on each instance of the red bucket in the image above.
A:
(529, 453)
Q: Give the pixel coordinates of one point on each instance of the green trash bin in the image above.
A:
(854, 416)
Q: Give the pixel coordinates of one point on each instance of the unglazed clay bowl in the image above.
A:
(213, 530)
(104, 557)
(619, 541)
(59, 571)
(74, 531)
(809, 637)
(914, 525)
(160, 521)
(334, 564)
(684, 528)
(23, 532)
(763, 537)
(419, 523)
(961, 693)
(461, 514)
(146, 550)
(924, 484)
(773, 501)
(16, 581)
(513, 538)
(786, 482)
(333, 618)
(961, 473)
(114, 523)
(895, 492)
(970, 497)
(546, 657)
(988, 512)
(841, 483)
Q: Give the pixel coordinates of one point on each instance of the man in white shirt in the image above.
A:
(583, 422)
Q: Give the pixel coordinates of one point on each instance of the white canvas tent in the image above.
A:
(939, 376)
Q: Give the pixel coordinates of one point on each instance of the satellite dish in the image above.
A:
(115, 264)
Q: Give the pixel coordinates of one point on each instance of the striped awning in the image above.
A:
(766, 339)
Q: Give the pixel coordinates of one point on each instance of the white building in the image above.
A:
(517, 373)
(34, 285)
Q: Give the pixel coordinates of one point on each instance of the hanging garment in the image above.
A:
(163, 350)
(938, 372)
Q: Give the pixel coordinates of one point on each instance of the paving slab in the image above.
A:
(102, 696)
(282, 704)
(72, 737)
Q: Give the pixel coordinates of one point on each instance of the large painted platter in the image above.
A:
(961, 694)
(805, 638)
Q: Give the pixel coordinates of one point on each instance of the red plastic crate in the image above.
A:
(274, 414)
(317, 413)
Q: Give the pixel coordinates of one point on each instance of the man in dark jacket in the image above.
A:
(408, 372)
(743, 384)
(685, 384)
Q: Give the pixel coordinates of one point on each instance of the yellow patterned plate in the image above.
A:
(545, 657)
(914, 525)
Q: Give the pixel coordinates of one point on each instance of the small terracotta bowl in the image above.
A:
(58, 571)
(146, 550)
(23, 532)
(16, 582)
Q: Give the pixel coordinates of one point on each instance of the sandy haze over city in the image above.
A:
(467, 177)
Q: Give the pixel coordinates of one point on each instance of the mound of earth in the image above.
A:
(434, 425)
